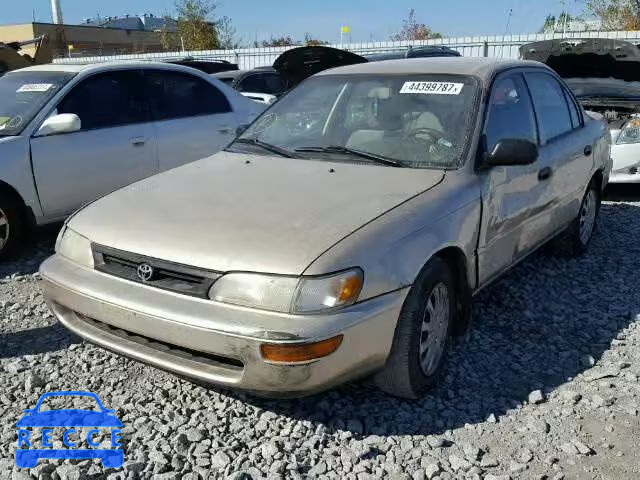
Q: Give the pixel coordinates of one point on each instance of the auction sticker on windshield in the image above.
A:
(35, 87)
(432, 88)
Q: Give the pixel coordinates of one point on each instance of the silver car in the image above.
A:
(72, 133)
(343, 234)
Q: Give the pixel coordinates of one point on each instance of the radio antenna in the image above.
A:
(506, 30)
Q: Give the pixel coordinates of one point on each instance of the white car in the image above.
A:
(72, 133)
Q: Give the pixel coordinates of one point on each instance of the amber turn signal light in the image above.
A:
(299, 352)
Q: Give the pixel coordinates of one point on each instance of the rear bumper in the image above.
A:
(217, 343)
(626, 163)
(624, 177)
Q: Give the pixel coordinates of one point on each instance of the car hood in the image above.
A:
(69, 418)
(300, 63)
(587, 58)
(246, 212)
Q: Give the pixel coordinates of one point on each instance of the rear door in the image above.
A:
(116, 145)
(194, 119)
(565, 146)
(515, 210)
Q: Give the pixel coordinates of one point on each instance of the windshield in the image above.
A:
(417, 121)
(23, 94)
(606, 88)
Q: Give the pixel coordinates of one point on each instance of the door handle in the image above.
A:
(544, 174)
(138, 141)
(225, 131)
(588, 150)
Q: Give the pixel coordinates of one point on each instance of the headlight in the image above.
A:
(74, 247)
(289, 294)
(630, 133)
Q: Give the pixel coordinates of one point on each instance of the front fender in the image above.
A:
(393, 249)
(15, 170)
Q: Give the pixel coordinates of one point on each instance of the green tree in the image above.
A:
(616, 14)
(553, 24)
(309, 40)
(196, 27)
(168, 37)
(414, 30)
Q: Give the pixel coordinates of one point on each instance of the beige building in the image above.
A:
(72, 40)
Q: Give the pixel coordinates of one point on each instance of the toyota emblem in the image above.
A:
(145, 272)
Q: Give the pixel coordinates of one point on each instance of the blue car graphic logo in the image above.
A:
(70, 419)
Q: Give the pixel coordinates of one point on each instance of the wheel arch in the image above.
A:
(27, 213)
(459, 265)
(598, 177)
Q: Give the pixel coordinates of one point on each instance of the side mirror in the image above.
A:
(511, 151)
(62, 123)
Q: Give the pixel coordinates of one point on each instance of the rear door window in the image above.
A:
(576, 121)
(552, 110)
(180, 95)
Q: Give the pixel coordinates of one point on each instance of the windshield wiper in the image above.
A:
(357, 153)
(267, 146)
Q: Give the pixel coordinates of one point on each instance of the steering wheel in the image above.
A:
(433, 133)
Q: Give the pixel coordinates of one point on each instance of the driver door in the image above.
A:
(115, 146)
(515, 212)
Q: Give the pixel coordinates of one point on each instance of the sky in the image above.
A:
(367, 19)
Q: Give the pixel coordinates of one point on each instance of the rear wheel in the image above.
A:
(422, 334)
(11, 224)
(575, 240)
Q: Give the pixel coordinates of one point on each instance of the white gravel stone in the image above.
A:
(531, 333)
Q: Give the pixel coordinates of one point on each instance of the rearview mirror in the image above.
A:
(62, 123)
(511, 151)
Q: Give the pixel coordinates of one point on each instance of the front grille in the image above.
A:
(182, 352)
(170, 276)
(633, 170)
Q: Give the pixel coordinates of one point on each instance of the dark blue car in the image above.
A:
(69, 419)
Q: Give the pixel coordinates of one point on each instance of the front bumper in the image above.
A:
(213, 342)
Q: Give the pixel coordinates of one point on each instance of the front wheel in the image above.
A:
(422, 334)
(11, 225)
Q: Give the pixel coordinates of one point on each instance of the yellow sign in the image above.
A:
(70, 47)
(345, 29)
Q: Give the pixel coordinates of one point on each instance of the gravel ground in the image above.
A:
(545, 386)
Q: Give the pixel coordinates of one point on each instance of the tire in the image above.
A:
(408, 373)
(575, 240)
(11, 225)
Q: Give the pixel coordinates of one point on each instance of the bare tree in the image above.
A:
(227, 34)
(309, 40)
(414, 30)
(282, 41)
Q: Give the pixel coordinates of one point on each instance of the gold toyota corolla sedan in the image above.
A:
(343, 233)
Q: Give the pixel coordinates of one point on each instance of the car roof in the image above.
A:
(484, 68)
(100, 67)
